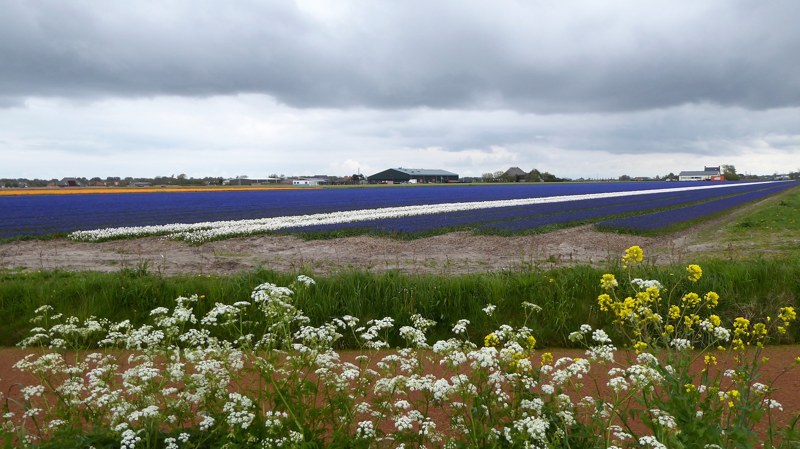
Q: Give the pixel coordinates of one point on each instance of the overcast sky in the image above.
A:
(577, 88)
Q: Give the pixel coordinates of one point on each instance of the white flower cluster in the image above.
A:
(646, 284)
(239, 410)
(460, 327)
(651, 441)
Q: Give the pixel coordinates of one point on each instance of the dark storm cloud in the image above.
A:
(537, 56)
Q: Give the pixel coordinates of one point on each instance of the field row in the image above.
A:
(47, 214)
(511, 215)
(209, 215)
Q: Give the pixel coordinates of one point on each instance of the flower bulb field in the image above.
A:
(505, 209)
(514, 316)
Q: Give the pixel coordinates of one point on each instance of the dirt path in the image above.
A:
(454, 253)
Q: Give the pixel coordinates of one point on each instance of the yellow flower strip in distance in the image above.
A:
(107, 190)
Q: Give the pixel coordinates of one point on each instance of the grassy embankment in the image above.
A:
(753, 288)
(754, 282)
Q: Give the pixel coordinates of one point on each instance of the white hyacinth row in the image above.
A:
(205, 231)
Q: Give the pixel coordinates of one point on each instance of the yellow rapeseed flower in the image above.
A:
(691, 320)
(608, 281)
(715, 320)
(691, 299)
(644, 298)
(634, 254)
(788, 315)
(740, 326)
(690, 388)
(710, 360)
(654, 293)
(604, 301)
(640, 346)
(625, 308)
(674, 312)
(547, 358)
(712, 299)
(530, 341)
(491, 340)
(695, 272)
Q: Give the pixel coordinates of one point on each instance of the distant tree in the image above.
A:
(487, 177)
(729, 172)
(624, 178)
(534, 176)
(549, 177)
(505, 177)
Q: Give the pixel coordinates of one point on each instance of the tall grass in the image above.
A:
(568, 296)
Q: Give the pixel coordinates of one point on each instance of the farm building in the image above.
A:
(708, 174)
(309, 182)
(69, 182)
(515, 174)
(412, 175)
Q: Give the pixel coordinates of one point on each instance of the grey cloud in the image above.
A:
(540, 56)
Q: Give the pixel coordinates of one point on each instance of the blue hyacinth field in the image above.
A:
(517, 208)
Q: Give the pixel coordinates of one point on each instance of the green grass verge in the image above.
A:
(751, 288)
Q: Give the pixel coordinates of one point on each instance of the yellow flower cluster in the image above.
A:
(491, 340)
(608, 281)
(695, 272)
(633, 255)
(712, 300)
(651, 321)
(733, 397)
(786, 316)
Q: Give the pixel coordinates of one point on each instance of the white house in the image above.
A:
(708, 174)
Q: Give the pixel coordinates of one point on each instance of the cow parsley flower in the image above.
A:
(365, 430)
(460, 327)
(305, 280)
